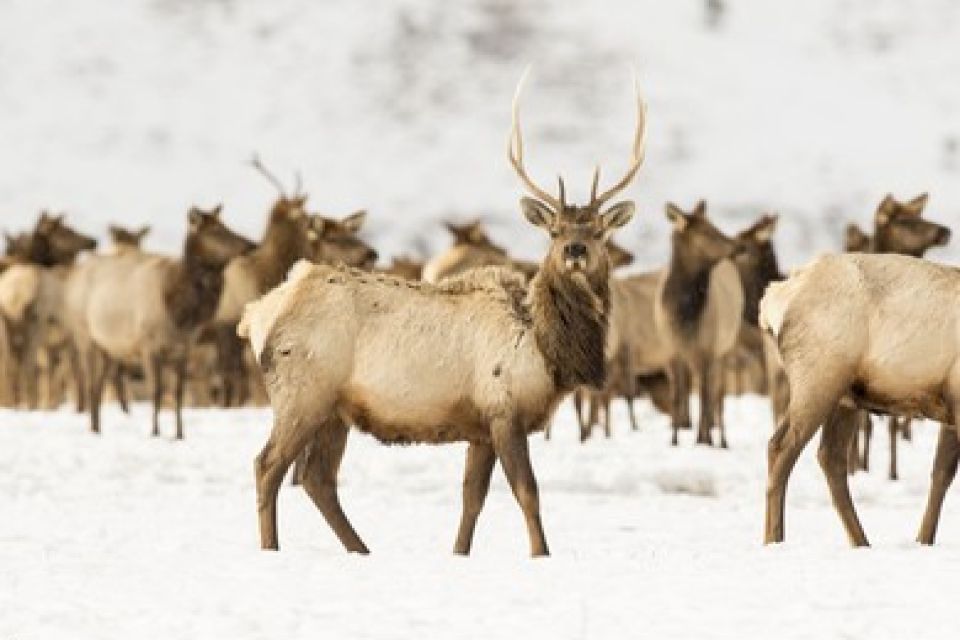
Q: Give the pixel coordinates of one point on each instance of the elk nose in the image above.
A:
(575, 250)
(372, 256)
(944, 236)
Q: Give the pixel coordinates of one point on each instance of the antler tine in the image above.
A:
(298, 183)
(515, 150)
(637, 155)
(563, 192)
(272, 179)
(595, 183)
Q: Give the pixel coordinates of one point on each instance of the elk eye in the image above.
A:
(554, 233)
(597, 235)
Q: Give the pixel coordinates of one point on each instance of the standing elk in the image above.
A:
(699, 312)
(878, 333)
(139, 308)
(472, 248)
(481, 358)
(31, 298)
(898, 228)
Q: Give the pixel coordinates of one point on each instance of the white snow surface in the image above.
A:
(131, 111)
(125, 536)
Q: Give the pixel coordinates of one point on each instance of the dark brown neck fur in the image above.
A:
(192, 289)
(570, 315)
(281, 247)
(687, 285)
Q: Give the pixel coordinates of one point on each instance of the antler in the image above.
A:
(636, 157)
(515, 151)
(269, 176)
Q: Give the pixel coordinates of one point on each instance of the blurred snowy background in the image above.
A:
(132, 111)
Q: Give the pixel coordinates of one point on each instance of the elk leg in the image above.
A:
(299, 466)
(180, 371)
(834, 445)
(944, 470)
(719, 398)
(96, 368)
(78, 378)
(579, 395)
(287, 439)
(154, 365)
(679, 399)
(320, 482)
(893, 428)
(119, 388)
(607, 399)
(510, 444)
(867, 437)
(906, 429)
(705, 424)
(807, 411)
(476, 484)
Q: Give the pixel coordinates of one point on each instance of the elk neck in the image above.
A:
(282, 246)
(192, 287)
(687, 284)
(570, 315)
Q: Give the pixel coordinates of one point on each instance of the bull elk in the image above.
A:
(139, 308)
(699, 312)
(482, 358)
(878, 333)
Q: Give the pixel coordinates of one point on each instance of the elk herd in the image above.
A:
(476, 346)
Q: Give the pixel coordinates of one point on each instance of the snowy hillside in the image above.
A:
(134, 110)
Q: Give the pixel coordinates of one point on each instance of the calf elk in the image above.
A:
(481, 358)
(699, 312)
(879, 333)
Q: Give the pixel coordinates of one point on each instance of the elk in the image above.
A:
(699, 312)
(482, 358)
(125, 239)
(472, 248)
(31, 294)
(898, 228)
(405, 267)
(878, 333)
(138, 308)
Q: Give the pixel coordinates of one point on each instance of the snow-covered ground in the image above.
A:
(124, 536)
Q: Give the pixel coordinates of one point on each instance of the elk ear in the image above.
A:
(354, 222)
(676, 216)
(144, 230)
(766, 230)
(195, 218)
(617, 216)
(476, 233)
(317, 226)
(538, 213)
(917, 205)
(886, 209)
(216, 210)
(701, 209)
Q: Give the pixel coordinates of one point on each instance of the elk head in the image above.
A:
(212, 243)
(18, 246)
(899, 228)
(579, 234)
(54, 242)
(123, 237)
(333, 241)
(855, 240)
(696, 241)
(289, 207)
(473, 234)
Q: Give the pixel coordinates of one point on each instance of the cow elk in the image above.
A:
(472, 248)
(878, 333)
(138, 308)
(699, 313)
(482, 358)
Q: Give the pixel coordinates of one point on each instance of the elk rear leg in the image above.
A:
(832, 456)
(153, 365)
(893, 429)
(119, 389)
(680, 398)
(944, 471)
(476, 483)
(580, 395)
(180, 371)
(510, 445)
(288, 438)
(809, 407)
(320, 481)
(867, 430)
(97, 371)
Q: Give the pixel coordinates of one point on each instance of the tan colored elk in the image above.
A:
(879, 333)
(898, 228)
(138, 308)
(699, 312)
(472, 248)
(481, 358)
(31, 298)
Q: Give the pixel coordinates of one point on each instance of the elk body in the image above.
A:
(481, 358)
(699, 312)
(879, 333)
(472, 248)
(139, 308)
